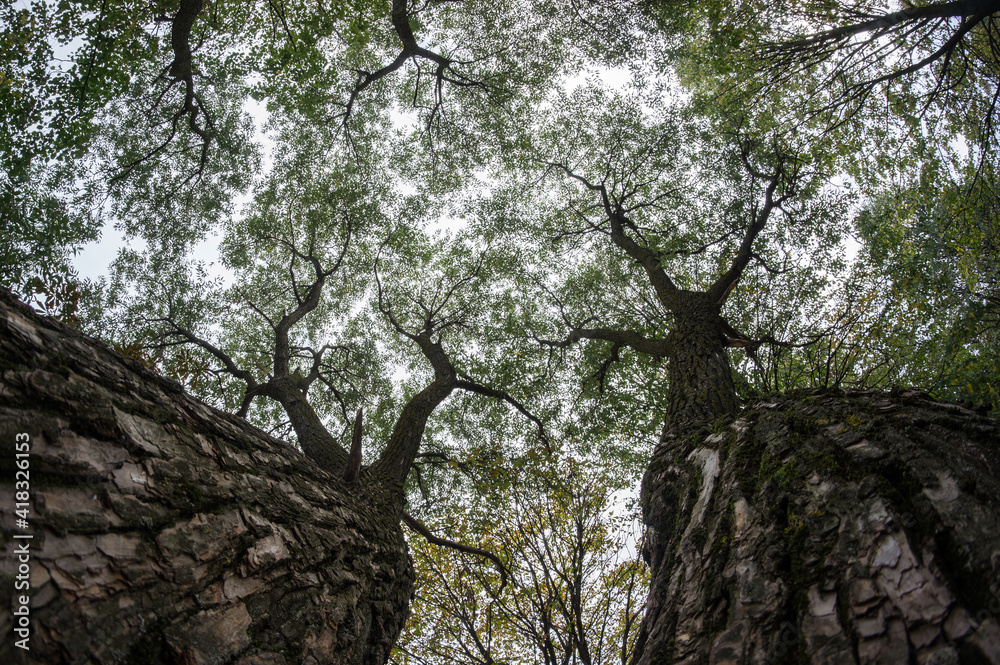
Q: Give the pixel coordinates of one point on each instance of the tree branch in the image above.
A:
(418, 527)
(180, 70)
(783, 177)
(468, 384)
(411, 50)
(958, 8)
(282, 351)
(404, 442)
(666, 290)
(656, 348)
(221, 355)
(650, 260)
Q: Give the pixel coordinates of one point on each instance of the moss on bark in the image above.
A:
(865, 527)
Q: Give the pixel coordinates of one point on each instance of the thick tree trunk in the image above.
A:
(701, 379)
(826, 528)
(162, 531)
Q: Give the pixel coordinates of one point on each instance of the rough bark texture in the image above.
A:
(701, 379)
(165, 531)
(826, 528)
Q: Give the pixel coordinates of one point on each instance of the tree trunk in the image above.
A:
(701, 378)
(163, 531)
(826, 528)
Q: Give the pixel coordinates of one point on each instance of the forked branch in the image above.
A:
(780, 186)
(443, 71)
(180, 71)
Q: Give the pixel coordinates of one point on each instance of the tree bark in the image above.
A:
(701, 378)
(164, 531)
(826, 528)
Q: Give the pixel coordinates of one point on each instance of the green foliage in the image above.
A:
(938, 250)
(48, 100)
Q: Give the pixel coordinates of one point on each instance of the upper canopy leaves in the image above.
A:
(461, 197)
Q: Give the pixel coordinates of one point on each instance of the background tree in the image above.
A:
(300, 263)
(570, 588)
(899, 102)
(643, 194)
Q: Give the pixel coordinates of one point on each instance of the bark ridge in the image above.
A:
(165, 531)
(826, 527)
